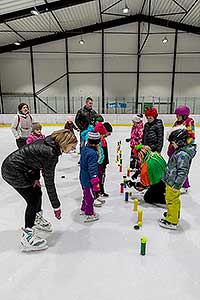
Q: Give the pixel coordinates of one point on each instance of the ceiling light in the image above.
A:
(165, 40)
(125, 9)
(35, 12)
(17, 43)
(82, 41)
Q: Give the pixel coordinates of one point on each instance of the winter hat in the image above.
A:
(140, 151)
(36, 126)
(21, 105)
(108, 127)
(93, 137)
(151, 112)
(137, 118)
(182, 110)
(99, 118)
(99, 127)
(69, 119)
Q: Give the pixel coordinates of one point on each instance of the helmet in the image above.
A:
(179, 135)
(151, 112)
(108, 127)
(182, 110)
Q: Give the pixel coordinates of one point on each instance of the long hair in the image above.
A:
(63, 138)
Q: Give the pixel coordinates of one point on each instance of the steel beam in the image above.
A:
(41, 8)
(33, 80)
(173, 71)
(138, 70)
(67, 74)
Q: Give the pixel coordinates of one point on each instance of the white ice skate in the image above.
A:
(97, 203)
(41, 223)
(31, 242)
(91, 218)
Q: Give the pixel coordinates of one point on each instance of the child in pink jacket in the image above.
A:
(136, 136)
(35, 134)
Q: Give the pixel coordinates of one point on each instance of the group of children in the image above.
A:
(21, 169)
(164, 182)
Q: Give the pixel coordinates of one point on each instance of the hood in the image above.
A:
(189, 149)
(50, 142)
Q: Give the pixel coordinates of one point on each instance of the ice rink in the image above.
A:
(100, 260)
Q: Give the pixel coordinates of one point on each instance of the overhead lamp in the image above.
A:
(81, 41)
(125, 9)
(17, 43)
(35, 11)
(165, 40)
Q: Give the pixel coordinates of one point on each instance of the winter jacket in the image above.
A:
(136, 134)
(88, 165)
(178, 166)
(20, 168)
(85, 117)
(21, 125)
(153, 135)
(34, 137)
(71, 126)
(152, 169)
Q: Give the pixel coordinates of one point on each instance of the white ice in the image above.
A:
(100, 261)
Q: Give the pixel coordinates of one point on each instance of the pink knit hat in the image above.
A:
(100, 128)
(69, 119)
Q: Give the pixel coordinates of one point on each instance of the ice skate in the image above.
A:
(184, 190)
(41, 223)
(31, 242)
(97, 203)
(91, 218)
(164, 223)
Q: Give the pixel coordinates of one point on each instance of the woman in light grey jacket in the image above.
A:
(22, 124)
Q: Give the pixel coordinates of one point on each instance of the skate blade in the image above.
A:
(32, 249)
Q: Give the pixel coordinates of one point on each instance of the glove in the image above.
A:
(95, 184)
(57, 213)
(135, 175)
(130, 183)
(128, 140)
(37, 184)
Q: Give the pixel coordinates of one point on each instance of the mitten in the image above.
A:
(57, 213)
(95, 184)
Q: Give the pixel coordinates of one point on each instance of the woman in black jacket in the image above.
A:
(20, 170)
(153, 133)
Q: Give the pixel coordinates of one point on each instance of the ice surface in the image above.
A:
(99, 261)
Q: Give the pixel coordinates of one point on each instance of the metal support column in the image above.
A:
(138, 70)
(67, 74)
(1, 97)
(173, 71)
(33, 79)
(102, 74)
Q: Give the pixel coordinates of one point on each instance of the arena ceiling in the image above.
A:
(56, 19)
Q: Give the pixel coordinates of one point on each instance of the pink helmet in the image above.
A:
(182, 110)
(69, 119)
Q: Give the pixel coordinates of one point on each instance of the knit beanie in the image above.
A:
(137, 118)
(93, 137)
(151, 112)
(99, 127)
(108, 127)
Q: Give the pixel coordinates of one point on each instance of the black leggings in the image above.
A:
(33, 198)
(156, 193)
